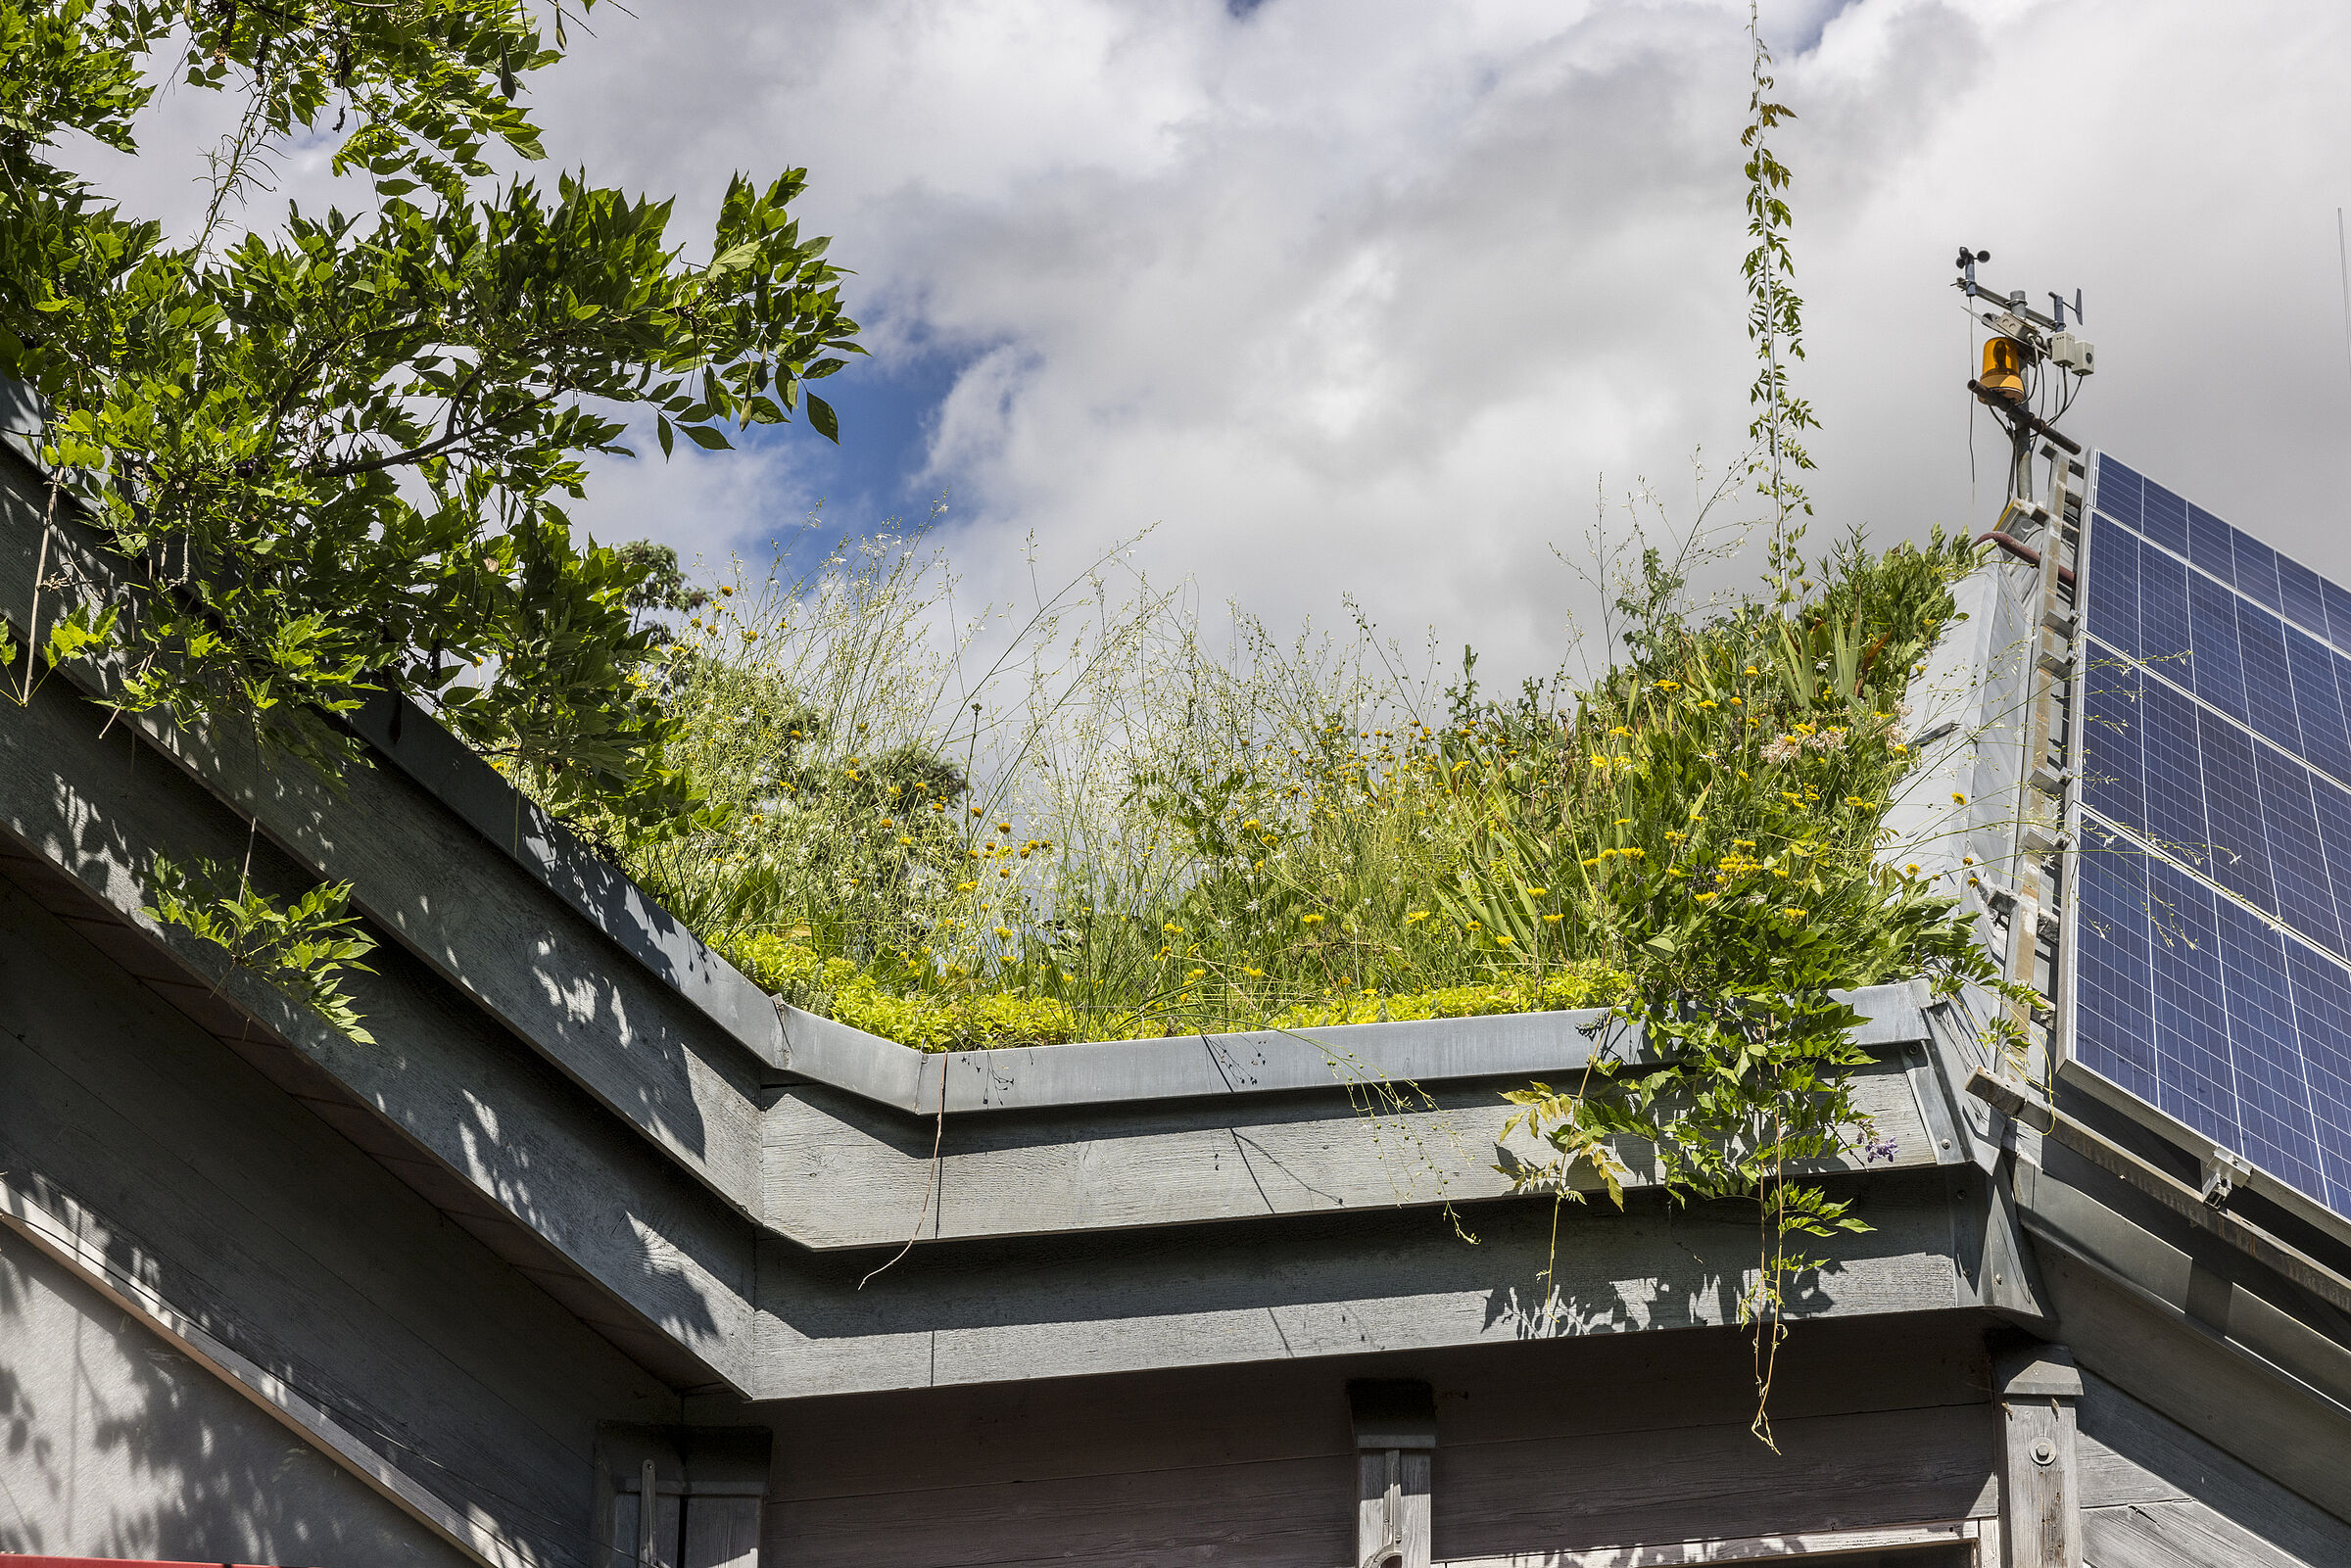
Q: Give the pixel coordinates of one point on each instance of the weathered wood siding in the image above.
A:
(113, 1445)
(287, 1242)
(444, 1087)
(1543, 1449)
(843, 1172)
(2156, 1496)
(1284, 1286)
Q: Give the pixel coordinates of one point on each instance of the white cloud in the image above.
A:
(1355, 295)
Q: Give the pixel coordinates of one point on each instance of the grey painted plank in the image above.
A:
(2201, 1383)
(844, 1173)
(1259, 1062)
(418, 871)
(2133, 1457)
(1528, 1498)
(121, 1446)
(280, 1238)
(1847, 1472)
(2132, 1335)
(447, 1077)
(551, 854)
(1293, 1513)
(953, 1312)
(2178, 1535)
(855, 1445)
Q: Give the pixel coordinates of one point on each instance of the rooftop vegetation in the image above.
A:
(1126, 833)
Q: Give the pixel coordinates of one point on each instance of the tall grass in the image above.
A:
(1092, 819)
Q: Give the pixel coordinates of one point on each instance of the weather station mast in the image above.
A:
(2033, 367)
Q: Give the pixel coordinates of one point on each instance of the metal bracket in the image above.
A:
(2223, 1171)
(2039, 838)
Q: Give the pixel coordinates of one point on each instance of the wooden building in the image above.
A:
(595, 1256)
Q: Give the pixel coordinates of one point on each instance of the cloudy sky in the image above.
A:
(1372, 298)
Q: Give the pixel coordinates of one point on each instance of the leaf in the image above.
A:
(822, 418)
(668, 436)
(704, 436)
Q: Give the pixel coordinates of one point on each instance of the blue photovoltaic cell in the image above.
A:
(2318, 704)
(2296, 860)
(2240, 851)
(2256, 574)
(2164, 520)
(2113, 766)
(2302, 594)
(2112, 615)
(2338, 615)
(2214, 669)
(2213, 950)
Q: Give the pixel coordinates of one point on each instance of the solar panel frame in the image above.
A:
(2218, 999)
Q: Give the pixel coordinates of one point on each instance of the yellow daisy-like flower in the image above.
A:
(1552, 920)
(1669, 686)
(903, 840)
(1958, 799)
(1704, 898)
(1752, 670)
(1537, 892)
(1309, 920)
(1792, 912)
(1253, 973)
(1503, 940)
(1416, 915)
(1911, 870)
(1194, 974)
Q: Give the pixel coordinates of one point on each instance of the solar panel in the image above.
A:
(2212, 956)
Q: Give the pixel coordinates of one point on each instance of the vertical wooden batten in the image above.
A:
(2041, 1493)
(1395, 1438)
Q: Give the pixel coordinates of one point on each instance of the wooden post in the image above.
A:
(1395, 1435)
(2040, 1498)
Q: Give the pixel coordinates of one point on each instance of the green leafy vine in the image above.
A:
(300, 949)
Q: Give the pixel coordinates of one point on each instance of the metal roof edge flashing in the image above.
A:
(1254, 1062)
(437, 762)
